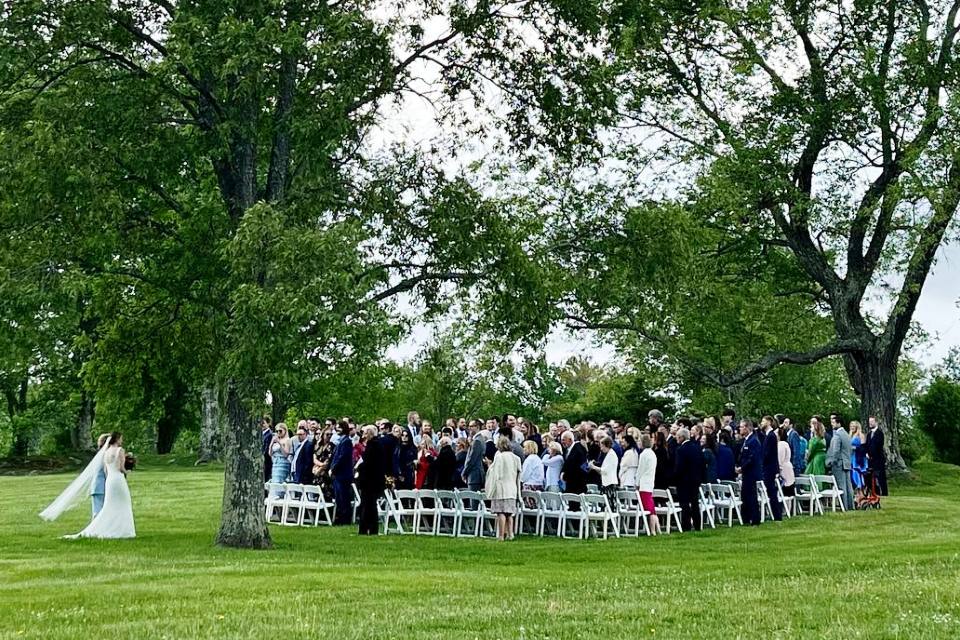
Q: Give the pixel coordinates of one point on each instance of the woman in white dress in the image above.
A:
(115, 520)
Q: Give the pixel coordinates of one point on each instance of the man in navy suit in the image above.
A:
(574, 464)
(371, 481)
(341, 470)
(688, 474)
(750, 470)
(266, 437)
(303, 458)
(771, 465)
(877, 455)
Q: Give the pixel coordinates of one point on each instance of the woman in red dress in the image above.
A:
(426, 454)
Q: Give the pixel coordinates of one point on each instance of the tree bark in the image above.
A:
(875, 380)
(171, 421)
(241, 521)
(82, 435)
(212, 425)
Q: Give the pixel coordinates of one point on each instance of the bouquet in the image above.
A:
(129, 462)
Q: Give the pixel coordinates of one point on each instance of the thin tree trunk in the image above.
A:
(278, 406)
(171, 421)
(241, 521)
(82, 435)
(212, 424)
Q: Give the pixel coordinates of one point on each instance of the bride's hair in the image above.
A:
(114, 437)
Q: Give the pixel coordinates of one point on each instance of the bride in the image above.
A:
(115, 519)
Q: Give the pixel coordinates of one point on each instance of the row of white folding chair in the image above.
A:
(295, 503)
(706, 506)
(807, 492)
(828, 490)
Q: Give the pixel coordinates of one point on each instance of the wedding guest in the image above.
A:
(553, 465)
(474, 470)
(877, 455)
(574, 473)
(858, 465)
(302, 464)
(629, 461)
(725, 460)
(646, 478)
(462, 448)
(502, 487)
(266, 438)
(404, 461)
(322, 455)
(708, 444)
(444, 468)
(787, 475)
(816, 450)
(341, 472)
(771, 466)
(839, 457)
(688, 474)
(751, 472)
(607, 468)
(662, 480)
(426, 454)
(532, 472)
(280, 452)
(798, 447)
(371, 481)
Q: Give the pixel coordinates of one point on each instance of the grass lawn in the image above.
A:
(893, 573)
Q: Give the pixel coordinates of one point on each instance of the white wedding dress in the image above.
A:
(115, 519)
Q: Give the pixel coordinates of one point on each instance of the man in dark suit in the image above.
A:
(688, 474)
(341, 470)
(750, 470)
(303, 458)
(877, 455)
(771, 465)
(371, 481)
(266, 437)
(474, 472)
(574, 470)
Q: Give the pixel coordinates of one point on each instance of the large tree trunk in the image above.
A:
(212, 424)
(82, 436)
(171, 421)
(874, 378)
(241, 521)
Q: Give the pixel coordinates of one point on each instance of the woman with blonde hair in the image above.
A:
(502, 487)
(858, 457)
(531, 474)
(281, 452)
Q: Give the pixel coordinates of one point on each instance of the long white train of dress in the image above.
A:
(115, 519)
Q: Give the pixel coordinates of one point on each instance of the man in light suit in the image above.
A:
(98, 487)
(839, 462)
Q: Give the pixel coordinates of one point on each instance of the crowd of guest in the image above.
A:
(504, 455)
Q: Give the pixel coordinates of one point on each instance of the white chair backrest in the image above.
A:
(471, 501)
(593, 489)
(551, 501)
(405, 498)
(311, 493)
(570, 499)
(627, 500)
(595, 504)
(446, 500)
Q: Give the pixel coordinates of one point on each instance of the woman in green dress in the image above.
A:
(816, 450)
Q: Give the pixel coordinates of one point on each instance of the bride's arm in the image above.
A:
(121, 461)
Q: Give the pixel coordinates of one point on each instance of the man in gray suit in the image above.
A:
(474, 472)
(838, 462)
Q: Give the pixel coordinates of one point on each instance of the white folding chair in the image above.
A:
(574, 514)
(274, 501)
(293, 505)
(488, 521)
(764, 500)
(633, 518)
(726, 502)
(470, 506)
(707, 508)
(829, 490)
(806, 491)
(788, 502)
(425, 521)
(314, 502)
(600, 511)
(551, 511)
(530, 511)
(666, 508)
(403, 511)
(448, 515)
(593, 489)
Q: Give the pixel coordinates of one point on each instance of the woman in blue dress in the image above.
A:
(858, 458)
(281, 450)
